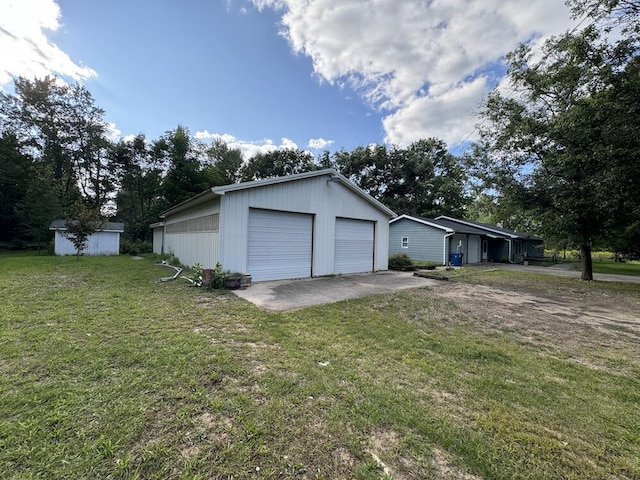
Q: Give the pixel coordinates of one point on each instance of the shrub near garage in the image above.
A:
(401, 261)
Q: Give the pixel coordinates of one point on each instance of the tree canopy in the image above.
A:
(563, 143)
(423, 179)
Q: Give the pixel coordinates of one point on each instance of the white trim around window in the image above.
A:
(404, 242)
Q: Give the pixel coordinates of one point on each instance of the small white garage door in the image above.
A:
(353, 250)
(280, 245)
(474, 249)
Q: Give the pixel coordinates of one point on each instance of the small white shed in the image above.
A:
(105, 241)
(304, 225)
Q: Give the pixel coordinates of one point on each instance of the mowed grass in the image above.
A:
(105, 373)
(619, 268)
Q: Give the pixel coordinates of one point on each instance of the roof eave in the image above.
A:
(190, 202)
(424, 222)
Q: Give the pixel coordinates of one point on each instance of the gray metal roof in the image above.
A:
(485, 227)
(106, 227)
(425, 221)
(450, 224)
(462, 228)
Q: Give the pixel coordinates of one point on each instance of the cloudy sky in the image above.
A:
(267, 74)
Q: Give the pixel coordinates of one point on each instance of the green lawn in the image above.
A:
(105, 373)
(626, 268)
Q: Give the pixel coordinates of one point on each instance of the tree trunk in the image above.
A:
(587, 265)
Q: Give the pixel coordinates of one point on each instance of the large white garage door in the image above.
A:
(280, 245)
(353, 251)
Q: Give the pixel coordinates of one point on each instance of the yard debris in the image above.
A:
(324, 364)
(178, 271)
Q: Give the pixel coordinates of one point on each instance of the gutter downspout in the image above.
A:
(508, 240)
(444, 249)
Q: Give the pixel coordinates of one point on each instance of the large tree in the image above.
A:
(564, 142)
(224, 164)
(422, 179)
(15, 174)
(184, 177)
(59, 125)
(140, 196)
(277, 163)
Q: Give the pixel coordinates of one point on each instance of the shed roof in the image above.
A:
(105, 227)
(224, 189)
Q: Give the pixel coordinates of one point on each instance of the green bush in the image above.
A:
(218, 277)
(401, 261)
(135, 247)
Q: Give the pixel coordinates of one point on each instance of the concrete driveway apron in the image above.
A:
(284, 295)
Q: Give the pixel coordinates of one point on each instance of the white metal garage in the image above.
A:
(354, 241)
(280, 245)
(303, 225)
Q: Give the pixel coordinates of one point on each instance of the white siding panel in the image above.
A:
(158, 240)
(353, 251)
(280, 245)
(192, 248)
(324, 199)
(99, 243)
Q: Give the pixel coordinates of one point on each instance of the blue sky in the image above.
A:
(266, 74)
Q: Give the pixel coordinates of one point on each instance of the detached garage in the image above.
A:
(305, 225)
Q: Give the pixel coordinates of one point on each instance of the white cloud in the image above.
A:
(426, 64)
(26, 50)
(319, 143)
(113, 133)
(248, 148)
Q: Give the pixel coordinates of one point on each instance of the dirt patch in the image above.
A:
(574, 322)
(446, 469)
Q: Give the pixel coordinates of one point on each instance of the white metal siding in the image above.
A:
(280, 245)
(354, 240)
(197, 246)
(324, 199)
(192, 248)
(98, 243)
(158, 240)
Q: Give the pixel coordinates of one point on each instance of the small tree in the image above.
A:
(85, 221)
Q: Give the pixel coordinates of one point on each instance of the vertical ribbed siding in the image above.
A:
(317, 196)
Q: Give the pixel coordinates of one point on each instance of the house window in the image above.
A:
(405, 242)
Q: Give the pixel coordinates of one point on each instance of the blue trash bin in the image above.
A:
(456, 259)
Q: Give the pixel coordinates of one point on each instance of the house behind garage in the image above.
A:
(104, 241)
(304, 225)
(434, 239)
